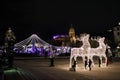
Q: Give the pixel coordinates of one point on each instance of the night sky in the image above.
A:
(47, 17)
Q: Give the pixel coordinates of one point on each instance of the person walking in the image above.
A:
(74, 65)
(52, 56)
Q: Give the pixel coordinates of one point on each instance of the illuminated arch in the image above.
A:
(32, 43)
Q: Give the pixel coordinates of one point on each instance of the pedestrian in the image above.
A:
(52, 56)
(89, 65)
(107, 62)
(110, 55)
(74, 65)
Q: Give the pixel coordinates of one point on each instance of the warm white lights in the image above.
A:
(86, 51)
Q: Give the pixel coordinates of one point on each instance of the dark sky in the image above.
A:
(48, 17)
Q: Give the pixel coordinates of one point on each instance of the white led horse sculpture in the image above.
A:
(86, 51)
(82, 51)
(99, 51)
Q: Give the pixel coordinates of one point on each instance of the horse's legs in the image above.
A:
(75, 60)
(101, 61)
(83, 57)
(106, 60)
(93, 64)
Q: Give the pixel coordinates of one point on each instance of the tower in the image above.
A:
(71, 31)
(72, 34)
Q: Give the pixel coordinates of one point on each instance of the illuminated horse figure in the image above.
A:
(100, 50)
(82, 51)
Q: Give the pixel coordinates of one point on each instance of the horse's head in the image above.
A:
(83, 37)
(101, 39)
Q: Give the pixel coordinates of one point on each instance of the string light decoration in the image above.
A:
(99, 51)
(82, 51)
(31, 44)
(86, 51)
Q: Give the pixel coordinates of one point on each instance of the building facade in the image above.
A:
(65, 39)
(116, 33)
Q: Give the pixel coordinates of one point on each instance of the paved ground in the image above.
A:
(39, 69)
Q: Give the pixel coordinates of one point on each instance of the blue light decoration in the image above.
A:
(35, 45)
(32, 45)
(57, 36)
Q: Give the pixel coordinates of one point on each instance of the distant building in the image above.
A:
(116, 33)
(60, 39)
(64, 39)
